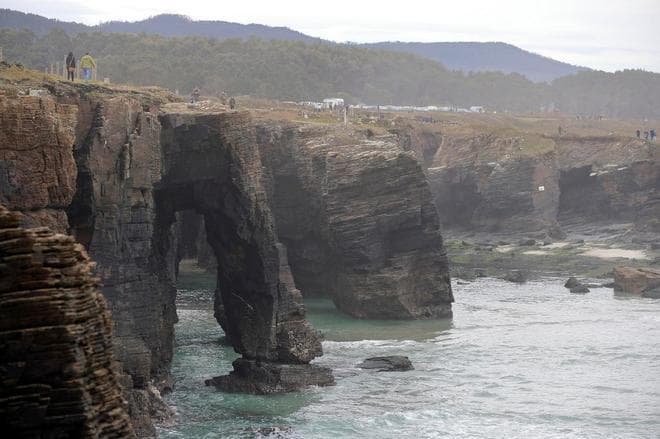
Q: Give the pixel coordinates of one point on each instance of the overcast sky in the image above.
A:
(602, 34)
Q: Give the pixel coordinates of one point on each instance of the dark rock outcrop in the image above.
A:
(264, 378)
(358, 221)
(211, 164)
(640, 281)
(121, 170)
(575, 286)
(392, 363)
(579, 289)
(58, 375)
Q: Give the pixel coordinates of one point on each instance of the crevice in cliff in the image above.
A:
(192, 241)
(81, 210)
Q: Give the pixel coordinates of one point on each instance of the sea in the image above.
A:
(525, 360)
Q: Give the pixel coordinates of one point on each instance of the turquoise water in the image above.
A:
(517, 361)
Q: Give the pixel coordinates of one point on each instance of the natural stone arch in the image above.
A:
(211, 165)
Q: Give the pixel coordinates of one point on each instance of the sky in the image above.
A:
(602, 34)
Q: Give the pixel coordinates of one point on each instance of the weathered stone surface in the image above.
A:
(498, 179)
(58, 375)
(264, 378)
(358, 221)
(37, 167)
(392, 363)
(636, 280)
(133, 176)
(211, 164)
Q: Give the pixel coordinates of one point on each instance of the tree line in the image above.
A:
(290, 70)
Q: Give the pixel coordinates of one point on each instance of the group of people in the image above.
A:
(87, 63)
(648, 135)
(194, 98)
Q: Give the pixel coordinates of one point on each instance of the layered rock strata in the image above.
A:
(37, 167)
(117, 180)
(58, 375)
(497, 177)
(211, 164)
(358, 219)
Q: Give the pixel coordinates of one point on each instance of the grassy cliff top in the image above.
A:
(16, 80)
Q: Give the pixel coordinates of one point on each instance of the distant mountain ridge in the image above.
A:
(464, 56)
(479, 57)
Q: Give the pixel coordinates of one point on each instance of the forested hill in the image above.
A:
(291, 70)
(466, 57)
(168, 25)
(10, 19)
(478, 57)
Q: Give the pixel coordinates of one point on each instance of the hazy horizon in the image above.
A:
(600, 36)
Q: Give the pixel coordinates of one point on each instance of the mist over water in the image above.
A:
(517, 361)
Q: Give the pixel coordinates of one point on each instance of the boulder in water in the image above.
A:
(571, 282)
(392, 363)
(575, 286)
(265, 378)
(652, 294)
(579, 289)
(639, 281)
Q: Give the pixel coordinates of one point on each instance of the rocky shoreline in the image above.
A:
(284, 209)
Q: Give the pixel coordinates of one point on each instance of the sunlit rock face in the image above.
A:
(58, 374)
(358, 219)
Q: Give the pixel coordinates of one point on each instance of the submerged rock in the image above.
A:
(636, 280)
(277, 432)
(265, 378)
(652, 294)
(579, 289)
(516, 276)
(392, 363)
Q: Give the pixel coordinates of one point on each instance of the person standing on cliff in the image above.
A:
(70, 66)
(87, 63)
(194, 96)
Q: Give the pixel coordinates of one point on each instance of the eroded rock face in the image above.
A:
(120, 178)
(484, 178)
(358, 221)
(58, 375)
(211, 164)
(37, 168)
